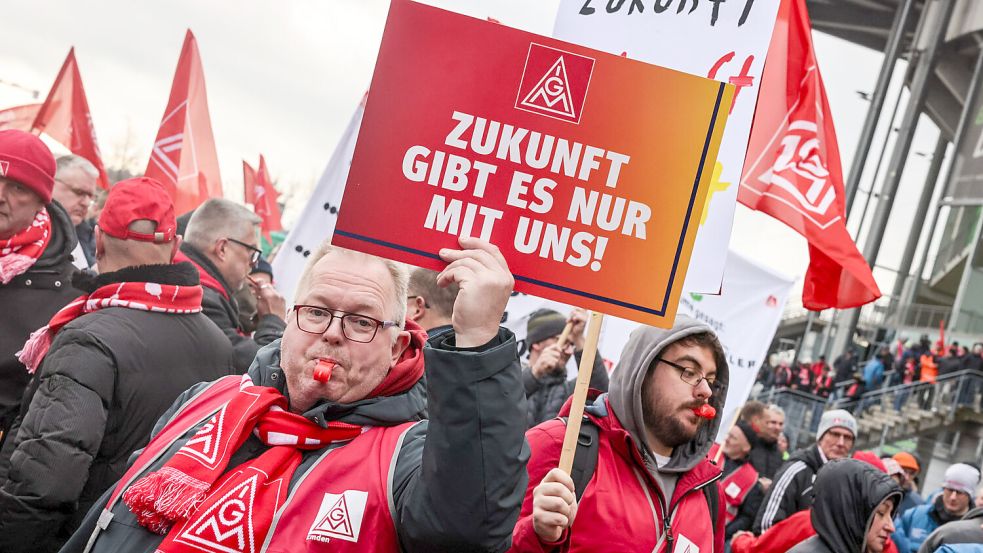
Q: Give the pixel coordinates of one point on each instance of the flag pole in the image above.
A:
(580, 392)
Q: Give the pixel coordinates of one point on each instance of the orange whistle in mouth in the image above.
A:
(322, 372)
(705, 411)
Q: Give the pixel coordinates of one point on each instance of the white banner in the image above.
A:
(745, 317)
(316, 223)
(726, 41)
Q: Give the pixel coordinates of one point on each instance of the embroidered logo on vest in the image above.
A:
(204, 444)
(226, 527)
(684, 545)
(340, 516)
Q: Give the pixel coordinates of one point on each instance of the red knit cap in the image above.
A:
(26, 160)
(135, 199)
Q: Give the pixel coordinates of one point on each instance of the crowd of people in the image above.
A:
(849, 379)
(158, 395)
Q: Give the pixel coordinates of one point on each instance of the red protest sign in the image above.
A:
(588, 170)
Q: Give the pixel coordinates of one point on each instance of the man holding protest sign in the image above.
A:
(322, 441)
(552, 339)
(652, 484)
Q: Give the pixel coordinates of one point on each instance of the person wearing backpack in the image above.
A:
(651, 486)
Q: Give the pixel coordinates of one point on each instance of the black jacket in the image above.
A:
(848, 492)
(28, 302)
(749, 508)
(459, 478)
(791, 491)
(224, 312)
(546, 396)
(107, 377)
(765, 457)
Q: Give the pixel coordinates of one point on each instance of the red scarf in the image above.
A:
(188, 491)
(181, 496)
(19, 252)
(207, 280)
(145, 296)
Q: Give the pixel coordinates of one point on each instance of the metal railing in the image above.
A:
(891, 412)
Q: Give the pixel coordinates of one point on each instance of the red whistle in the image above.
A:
(705, 411)
(322, 372)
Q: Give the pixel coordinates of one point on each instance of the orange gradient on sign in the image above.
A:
(436, 69)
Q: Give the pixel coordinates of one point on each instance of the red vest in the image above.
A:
(342, 503)
(735, 487)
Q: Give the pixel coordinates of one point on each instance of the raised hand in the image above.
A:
(486, 284)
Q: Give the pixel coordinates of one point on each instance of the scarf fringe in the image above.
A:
(163, 497)
(13, 265)
(35, 349)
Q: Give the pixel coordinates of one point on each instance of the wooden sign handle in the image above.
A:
(580, 392)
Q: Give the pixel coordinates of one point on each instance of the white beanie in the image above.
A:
(836, 418)
(962, 478)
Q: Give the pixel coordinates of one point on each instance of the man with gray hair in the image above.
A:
(221, 241)
(76, 182)
(323, 444)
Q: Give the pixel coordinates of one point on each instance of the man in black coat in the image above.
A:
(545, 376)
(792, 490)
(108, 365)
(36, 243)
(454, 482)
(221, 241)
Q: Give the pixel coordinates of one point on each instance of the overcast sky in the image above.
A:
(283, 79)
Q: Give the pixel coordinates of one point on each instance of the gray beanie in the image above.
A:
(837, 418)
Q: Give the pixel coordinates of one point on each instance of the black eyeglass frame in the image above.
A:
(254, 253)
(332, 312)
(714, 386)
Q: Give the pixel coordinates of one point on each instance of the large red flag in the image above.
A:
(19, 118)
(792, 170)
(65, 116)
(183, 157)
(261, 193)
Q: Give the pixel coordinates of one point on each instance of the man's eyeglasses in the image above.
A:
(691, 376)
(254, 252)
(85, 195)
(357, 328)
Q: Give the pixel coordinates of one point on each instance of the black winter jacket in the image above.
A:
(107, 377)
(459, 478)
(848, 492)
(224, 312)
(28, 302)
(791, 491)
(546, 396)
(766, 458)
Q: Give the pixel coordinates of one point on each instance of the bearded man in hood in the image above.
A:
(652, 489)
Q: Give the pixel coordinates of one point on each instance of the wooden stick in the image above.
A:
(580, 392)
(565, 335)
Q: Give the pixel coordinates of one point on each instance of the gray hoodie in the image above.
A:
(625, 396)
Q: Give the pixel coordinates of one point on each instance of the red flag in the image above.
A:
(183, 157)
(20, 118)
(792, 170)
(65, 117)
(261, 193)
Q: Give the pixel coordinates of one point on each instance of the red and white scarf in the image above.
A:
(145, 296)
(187, 491)
(172, 500)
(19, 252)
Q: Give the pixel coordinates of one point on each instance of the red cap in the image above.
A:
(136, 199)
(26, 160)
